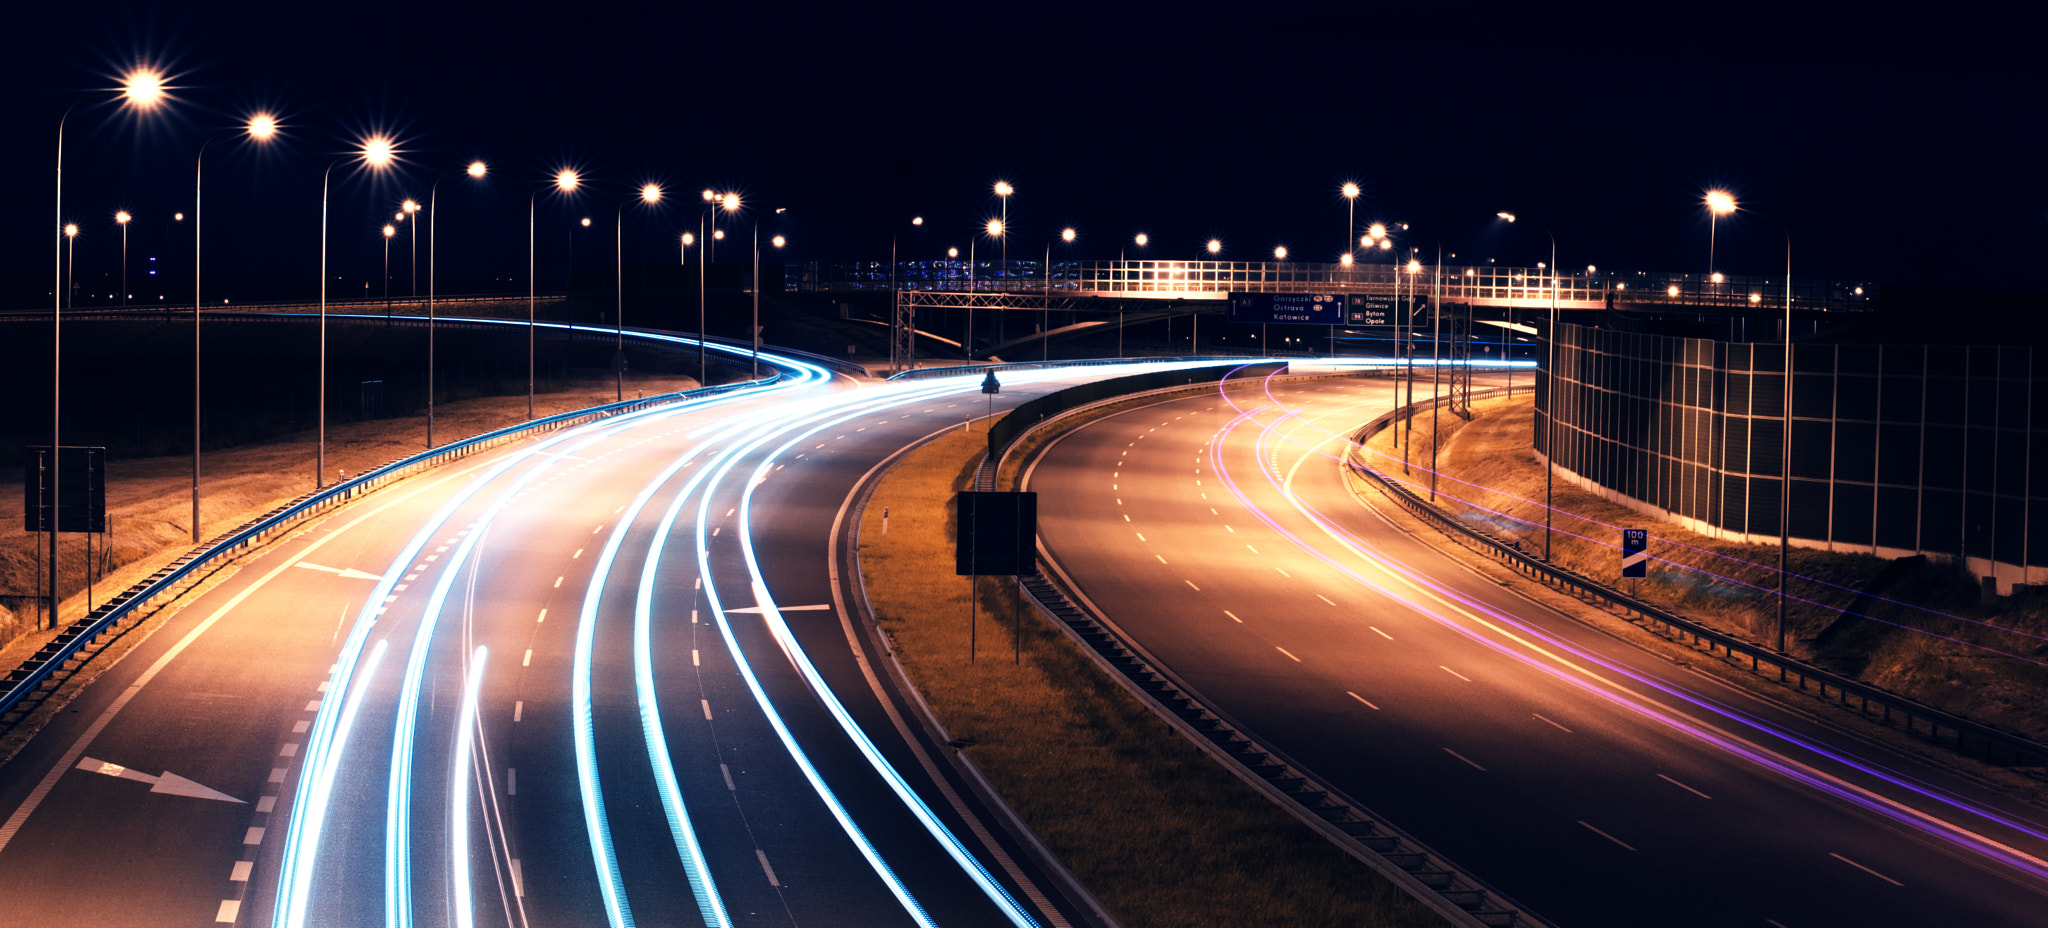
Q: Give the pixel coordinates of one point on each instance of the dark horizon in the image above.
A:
(1889, 155)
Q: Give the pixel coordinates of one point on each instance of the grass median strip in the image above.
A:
(1152, 826)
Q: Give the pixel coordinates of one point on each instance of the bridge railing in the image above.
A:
(1485, 283)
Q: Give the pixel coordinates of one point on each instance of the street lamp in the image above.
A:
(142, 90)
(1003, 191)
(778, 241)
(650, 194)
(1550, 392)
(122, 219)
(389, 231)
(1719, 203)
(260, 127)
(1350, 191)
(377, 153)
(410, 209)
(476, 170)
(729, 202)
(564, 181)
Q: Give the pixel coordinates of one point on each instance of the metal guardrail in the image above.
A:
(1965, 736)
(926, 373)
(22, 682)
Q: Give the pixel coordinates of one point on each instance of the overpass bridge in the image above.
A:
(1101, 287)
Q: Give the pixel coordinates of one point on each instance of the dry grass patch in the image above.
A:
(1156, 829)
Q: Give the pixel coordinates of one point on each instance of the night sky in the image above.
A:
(1906, 149)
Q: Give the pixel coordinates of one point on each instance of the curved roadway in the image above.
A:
(633, 630)
(1593, 782)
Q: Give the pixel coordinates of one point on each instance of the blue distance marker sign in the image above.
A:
(1288, 308)
(1635, 555)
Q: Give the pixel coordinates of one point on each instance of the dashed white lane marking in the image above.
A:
(518, 879)
(289, 750)
(1618, 840)
(230, 909)
(518, 709)
(1127, 517)
(1161, 559)
(1465, 759)
(511, 781)
(1233, 617)
(1381, 633)
(1251, 549)
(1456, 674)
(240, 874)
(527, 661)
(1290, 654)
(597, 529)
(772, 881)
(1865, 869)
(254, 835)
(579, 553)
(707, 709)
(313, 705)
(1325, 599)
(266, 804)
(1360, 699)
(1285, 573)
(277, 774)
(299, 727)
(695, 661)
(1552, 722)
(1192, 586)
(543, 616)
(1230, 530)
(1683, 786)
(726, 772)
(558, 583)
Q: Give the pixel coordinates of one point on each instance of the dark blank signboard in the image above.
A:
(1288, 308)
(997, 536)
(84, 488)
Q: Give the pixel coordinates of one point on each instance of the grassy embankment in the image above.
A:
(1928, 636)
(149, 500)
(1160, 833)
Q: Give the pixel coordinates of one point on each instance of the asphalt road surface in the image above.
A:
(634, 633)
(1590, 781)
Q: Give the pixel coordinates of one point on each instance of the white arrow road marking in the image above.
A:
(346, 573)
(170, 783)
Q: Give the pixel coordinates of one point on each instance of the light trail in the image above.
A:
(458, 824)
(329, 732)
(1569, 663)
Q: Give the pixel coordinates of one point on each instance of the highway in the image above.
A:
(635, 633)
(1589, 780)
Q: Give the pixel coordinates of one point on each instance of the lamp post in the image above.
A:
(1195, 322)
(377, 153)
(1003, 191)
(122, 219)
(1785, 433)
(729, 202)
(778, 242)
(1549, 393)
(650, 194)
(995, 230)
(1350, 191)
(411, 210)
(475, 170)
(564, 181)
(141, 90)
(1141, 240)
(1719, 203)
(389, 231)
